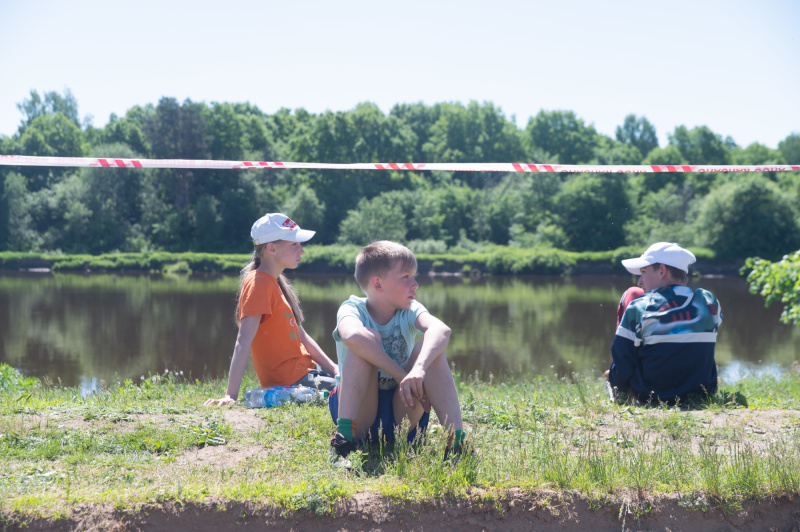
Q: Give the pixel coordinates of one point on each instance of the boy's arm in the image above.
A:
(436, 336)
(316, 352)
(624, 348)
(623, 354)
(362, 343)
(244, 339)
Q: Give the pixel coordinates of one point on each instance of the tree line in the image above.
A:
(100, 210)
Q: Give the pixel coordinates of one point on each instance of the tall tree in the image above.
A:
(49, 135)
(177, 131)
(756, 154)
(420, 119)
(50, 104)
(639, 132)
(790, 148)
(562, 134)
(700, 145)
(593, 210)
(748, 217)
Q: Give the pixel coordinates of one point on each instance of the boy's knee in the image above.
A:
(354, 362)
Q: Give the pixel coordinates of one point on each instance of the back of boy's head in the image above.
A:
(378, 258)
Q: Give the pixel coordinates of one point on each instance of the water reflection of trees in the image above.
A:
(67, 326)
(524, 325)
(505, 326)
(70, 326)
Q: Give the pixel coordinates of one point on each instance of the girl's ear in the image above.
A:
(270, 247)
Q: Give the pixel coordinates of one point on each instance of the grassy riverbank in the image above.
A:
(151, 442)
(341, 259)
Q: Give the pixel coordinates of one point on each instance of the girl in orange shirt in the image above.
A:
(269, 315)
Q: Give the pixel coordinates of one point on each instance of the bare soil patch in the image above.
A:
(758, 428)
(517, 511)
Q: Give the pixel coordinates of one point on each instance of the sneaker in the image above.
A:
(340, 448)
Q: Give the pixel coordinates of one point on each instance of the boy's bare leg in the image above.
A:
(358, 393)
(440, 389)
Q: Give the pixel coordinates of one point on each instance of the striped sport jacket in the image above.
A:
(664, 346)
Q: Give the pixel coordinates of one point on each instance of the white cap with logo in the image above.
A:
(661, 253)
(276, 226)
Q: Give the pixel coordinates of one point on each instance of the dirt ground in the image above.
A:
(543, 511)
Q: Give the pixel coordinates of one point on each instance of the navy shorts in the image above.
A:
(385, 416)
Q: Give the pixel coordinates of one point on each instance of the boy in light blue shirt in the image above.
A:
(385, 374)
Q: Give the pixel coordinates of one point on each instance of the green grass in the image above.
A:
(152, 441)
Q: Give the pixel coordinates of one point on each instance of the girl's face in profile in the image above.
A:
(286, 254)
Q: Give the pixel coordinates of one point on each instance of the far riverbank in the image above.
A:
(489, 260)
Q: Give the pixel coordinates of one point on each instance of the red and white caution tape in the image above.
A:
(87, 162)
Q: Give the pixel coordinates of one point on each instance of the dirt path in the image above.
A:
(541, 511)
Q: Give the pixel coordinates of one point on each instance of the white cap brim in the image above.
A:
(635, 266)
(301, 235)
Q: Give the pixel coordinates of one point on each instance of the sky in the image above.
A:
(730, 65)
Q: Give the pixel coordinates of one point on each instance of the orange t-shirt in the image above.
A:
(279, 358)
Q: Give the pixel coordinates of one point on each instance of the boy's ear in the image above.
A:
(375, 282)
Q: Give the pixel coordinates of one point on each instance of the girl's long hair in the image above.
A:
(283, 282)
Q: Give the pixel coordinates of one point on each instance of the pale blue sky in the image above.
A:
(731, 65)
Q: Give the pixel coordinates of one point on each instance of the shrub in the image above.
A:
(748, 217)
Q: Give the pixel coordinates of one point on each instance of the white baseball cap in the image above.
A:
(661, 253)
(276, 226)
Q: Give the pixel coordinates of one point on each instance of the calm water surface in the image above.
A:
(81, 329)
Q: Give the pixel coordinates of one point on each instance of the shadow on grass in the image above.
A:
(692, 401)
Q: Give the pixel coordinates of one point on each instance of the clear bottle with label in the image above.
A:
(280, 395)
(254, 398)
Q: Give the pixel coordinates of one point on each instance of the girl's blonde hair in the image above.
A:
(283, 282)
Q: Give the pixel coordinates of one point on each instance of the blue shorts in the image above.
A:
(385, 416)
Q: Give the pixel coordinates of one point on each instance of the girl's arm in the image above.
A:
(247, 331)
(316, 352)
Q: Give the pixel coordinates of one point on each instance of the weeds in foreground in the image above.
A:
(152, 441)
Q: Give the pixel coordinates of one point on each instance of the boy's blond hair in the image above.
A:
(378, 258)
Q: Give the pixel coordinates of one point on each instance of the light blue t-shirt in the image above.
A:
(398, 336)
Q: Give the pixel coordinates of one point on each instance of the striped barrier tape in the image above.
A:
(189, 164)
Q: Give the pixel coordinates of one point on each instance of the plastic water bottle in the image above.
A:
(304, 394)
(254, 398)
(277, 396)
(280, 395)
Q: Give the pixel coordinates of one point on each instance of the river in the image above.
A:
(80, 330)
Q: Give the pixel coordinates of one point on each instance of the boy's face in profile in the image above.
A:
(399, 286)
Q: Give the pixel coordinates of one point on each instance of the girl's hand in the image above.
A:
(221, 402)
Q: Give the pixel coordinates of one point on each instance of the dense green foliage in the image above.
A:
(778, 281)
(97, 211)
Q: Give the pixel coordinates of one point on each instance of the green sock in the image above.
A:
(345, 428)
(460, 436)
